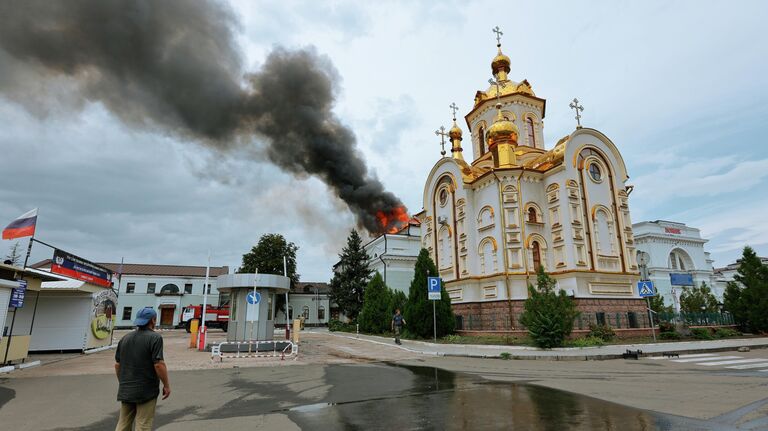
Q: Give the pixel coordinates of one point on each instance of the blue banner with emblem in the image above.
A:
(18, 294)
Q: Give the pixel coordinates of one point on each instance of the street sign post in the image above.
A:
(433, 293)
(646, 289)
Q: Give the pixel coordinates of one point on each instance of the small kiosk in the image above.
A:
(252, 304)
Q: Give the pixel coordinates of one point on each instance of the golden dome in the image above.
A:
(455, 132)
(502, 129)
(500, 62)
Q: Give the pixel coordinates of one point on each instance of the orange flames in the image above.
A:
(394, 220)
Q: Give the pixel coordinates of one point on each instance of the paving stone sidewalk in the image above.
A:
(563, 353)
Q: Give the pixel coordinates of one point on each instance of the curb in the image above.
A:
(513, 356)
(99, 349)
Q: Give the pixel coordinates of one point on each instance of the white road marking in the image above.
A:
(748, 366)
(697, 355)
(738, 361)
(714, 358)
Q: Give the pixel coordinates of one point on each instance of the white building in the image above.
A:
(310, 300)
(394, 255)
(724, 275)
(491, 220)
(166, 288)
(674, 248)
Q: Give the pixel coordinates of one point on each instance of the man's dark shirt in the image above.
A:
(397, 320)
(137, 353)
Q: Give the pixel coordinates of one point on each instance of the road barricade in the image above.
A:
(255, 349)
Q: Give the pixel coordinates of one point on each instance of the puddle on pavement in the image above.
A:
(425, 398)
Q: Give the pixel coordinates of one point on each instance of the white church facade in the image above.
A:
(492, 219)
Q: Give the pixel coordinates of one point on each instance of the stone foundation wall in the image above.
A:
(504, 316)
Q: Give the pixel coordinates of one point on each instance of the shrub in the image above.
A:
(670, 335)
(505, 356)
(548, 315)
(701, 334)
(603, 332)
(453, 339)
(375, 317)
(666, 327)
(726, 333)
(335, 325)
(588, 341)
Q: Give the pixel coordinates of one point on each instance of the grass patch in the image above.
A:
(589, 341)
(499, 340)
(505, 356)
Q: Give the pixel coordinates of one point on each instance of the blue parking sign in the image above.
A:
(433, 288)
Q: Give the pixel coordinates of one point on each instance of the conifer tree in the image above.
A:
(375, 316)
(548, 315)
(351, 277)
(698, 299)
(418, 310)
(748, 300)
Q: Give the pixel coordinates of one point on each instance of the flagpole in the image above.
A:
(15, 309)
(285, 272)
(205, 291)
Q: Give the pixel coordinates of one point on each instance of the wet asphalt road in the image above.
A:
(314, 397)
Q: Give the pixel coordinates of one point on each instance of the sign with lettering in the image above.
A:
(433, 288)
(18, 294)
(673, 230)
(72, 266)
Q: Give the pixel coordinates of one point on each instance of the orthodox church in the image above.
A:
(496, 213)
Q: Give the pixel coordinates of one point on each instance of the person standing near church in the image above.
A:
(397, 325)
(140, 368)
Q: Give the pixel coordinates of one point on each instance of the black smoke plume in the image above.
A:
(173, 66)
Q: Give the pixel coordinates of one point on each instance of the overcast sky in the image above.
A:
(680, 87)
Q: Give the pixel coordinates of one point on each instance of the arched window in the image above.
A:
(305, 312)
(482, 140)
(679, 260)
(170, 289)
(532, 215)
(536, 250)
(594, 172)
(531, 132)
(321, 313)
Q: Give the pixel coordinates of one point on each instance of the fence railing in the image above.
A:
(621, 320)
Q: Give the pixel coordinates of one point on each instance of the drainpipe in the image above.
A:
(381, 258)
(504, 247)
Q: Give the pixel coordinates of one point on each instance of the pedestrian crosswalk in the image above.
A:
(725, 360)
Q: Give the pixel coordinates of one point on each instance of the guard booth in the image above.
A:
(252, 304)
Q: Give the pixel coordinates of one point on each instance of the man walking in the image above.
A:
(140, 367)
(397, 325)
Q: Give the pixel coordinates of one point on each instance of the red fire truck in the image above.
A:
(215, 317)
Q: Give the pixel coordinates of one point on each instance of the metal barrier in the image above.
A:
(253, 350)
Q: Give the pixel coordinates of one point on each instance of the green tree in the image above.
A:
(748, 300)
(375, 317)
(351, 276)
(267, 257)
(698, 299)
(547, 314)
(399, 302)
(418, 309)
(658, 306)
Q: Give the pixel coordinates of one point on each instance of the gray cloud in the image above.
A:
(172, 66)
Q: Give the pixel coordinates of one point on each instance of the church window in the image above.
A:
(443, 196)
(532, 215)
(531, 132)
(536, 250)
(482, 140)
(594, 172)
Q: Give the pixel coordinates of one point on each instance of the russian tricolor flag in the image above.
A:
(22, 226)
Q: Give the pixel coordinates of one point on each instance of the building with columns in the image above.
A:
(674, 248)
(496, 213)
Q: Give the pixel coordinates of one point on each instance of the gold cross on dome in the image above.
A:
(441, 133)
(499, 33)
(576, 107)
(454, 108)
(498, 84)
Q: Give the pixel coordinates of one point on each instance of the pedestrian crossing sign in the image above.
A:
(646, 288)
